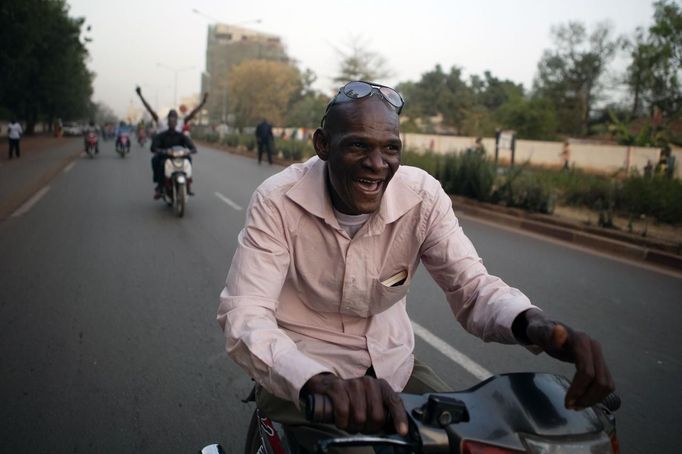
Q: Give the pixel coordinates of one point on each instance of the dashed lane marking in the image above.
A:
(23, 209)
(228, 201)
(450, 352)
(69, 167)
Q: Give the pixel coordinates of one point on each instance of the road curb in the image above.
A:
(577, 237)
(22, 195)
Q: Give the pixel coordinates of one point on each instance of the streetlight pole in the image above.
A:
(175, 83)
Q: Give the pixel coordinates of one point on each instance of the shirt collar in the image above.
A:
(312, 195)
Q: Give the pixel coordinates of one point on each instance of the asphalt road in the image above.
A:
(108, 339)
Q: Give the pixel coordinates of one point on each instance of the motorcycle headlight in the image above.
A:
(597, 444)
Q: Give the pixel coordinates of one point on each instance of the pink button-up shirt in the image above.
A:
(302, 297)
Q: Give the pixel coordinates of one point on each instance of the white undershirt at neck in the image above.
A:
(351, 223)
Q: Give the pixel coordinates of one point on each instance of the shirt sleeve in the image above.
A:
(249, 301)
(483, 304)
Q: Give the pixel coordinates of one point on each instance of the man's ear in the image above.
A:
(321, 143)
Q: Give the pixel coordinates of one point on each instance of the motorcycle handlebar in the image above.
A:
(319, 408)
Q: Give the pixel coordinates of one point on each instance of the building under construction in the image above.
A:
(227, 46)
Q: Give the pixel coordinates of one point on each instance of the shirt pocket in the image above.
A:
(384, 297)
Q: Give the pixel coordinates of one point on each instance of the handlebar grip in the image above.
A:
(612, 402)
(319, 409)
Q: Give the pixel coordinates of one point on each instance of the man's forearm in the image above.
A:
(148, 107)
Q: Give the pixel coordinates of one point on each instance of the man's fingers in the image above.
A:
(602, 383)
(585, 371)
(357, 405)
(395, 408)
(341, 405)
(376, 413)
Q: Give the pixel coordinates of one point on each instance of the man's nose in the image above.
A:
(375, 159)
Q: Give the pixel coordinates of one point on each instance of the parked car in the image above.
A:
(72, 129)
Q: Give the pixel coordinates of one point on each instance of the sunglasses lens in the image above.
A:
(392, 96)
(357, 90)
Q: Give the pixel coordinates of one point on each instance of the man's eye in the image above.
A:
(360, 145)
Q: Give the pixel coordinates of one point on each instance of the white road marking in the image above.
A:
(23, 209)
(450, 352)
(228, 201)
(69, 167)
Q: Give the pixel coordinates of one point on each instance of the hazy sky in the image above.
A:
(506, 37)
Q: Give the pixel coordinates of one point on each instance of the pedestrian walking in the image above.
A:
(14, 133)
(566, 156)
(264, 138)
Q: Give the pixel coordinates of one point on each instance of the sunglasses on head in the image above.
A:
(360, 89)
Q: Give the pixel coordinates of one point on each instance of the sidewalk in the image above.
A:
(42, 158)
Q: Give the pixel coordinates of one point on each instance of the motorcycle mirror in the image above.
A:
(212, 449)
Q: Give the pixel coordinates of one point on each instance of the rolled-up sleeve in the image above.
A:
(483, 304)
(249, 301)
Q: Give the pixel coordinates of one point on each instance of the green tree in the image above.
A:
(44, 69)
(307, 105)
(655, 72)
(570, 76)
(492, 93)
(439, 93)
(307, 111)
(533, 119)
(357, 62)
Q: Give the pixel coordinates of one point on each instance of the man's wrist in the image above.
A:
(305, 389)
(521, 322)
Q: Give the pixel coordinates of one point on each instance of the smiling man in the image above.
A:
(315, 299)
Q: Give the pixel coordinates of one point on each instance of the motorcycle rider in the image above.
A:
(163, 141)
(181, 124)
(315, 298)
(122, 128)
(141, 132)
(94, 129)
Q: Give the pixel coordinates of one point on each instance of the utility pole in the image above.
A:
(175, 84)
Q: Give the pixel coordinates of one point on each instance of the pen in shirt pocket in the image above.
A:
(395, 280)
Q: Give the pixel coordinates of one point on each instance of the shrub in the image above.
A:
(471, 175)
(523, 189)
(659, 197)
(248, 141)
(231, 140)
(294, 150)
(468, 174)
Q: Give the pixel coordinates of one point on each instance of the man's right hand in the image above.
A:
(360, 404)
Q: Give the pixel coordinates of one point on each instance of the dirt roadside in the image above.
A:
(42, 158)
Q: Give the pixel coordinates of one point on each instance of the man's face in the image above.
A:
(172, 121)
(361, 145)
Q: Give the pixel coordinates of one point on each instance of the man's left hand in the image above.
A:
(592, 381)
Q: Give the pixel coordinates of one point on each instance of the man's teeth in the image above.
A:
(362, 180)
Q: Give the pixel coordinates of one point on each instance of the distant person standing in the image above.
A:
(264, 138)
(14, 133)
(566, 156)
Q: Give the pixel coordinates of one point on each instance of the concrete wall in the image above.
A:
(591, 157)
